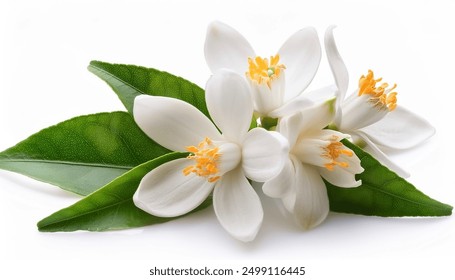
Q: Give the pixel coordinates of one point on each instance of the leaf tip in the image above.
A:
(41, 225)
(92, 64)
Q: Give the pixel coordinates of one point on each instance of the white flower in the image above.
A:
(276, 83)
(314, 152)
(371, 114)
(217, 162)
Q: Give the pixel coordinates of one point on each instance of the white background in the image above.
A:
(45, 47)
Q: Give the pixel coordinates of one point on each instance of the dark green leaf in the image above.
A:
(129, 81)
(84, 153)
(111, 207)
(382, 193)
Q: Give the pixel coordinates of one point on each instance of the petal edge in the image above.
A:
(166, 192)
(225, 47)
(237, 206)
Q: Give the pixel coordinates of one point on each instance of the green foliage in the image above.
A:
(129, 81)
(84, 153)
(111, 207)
(382, 193)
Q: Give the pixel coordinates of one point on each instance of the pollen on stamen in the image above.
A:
(264, 71)
(381, 96)
(206, 160)
(333, 151)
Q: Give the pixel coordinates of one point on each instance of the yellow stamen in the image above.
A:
(263, 71)
(381, 96)
(206, 157)
(333, 151)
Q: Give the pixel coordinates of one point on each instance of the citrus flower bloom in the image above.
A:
(218, 162)
(277, 82)
(315, 153)
(371, 114)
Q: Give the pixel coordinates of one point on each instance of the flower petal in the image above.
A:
(264, 154)
(289, 200)
(289, 128)
(289, 197)
(399, 129)
(304, 101)
(312, 202)
(281, 185)
(318, 116)
(291, 107)
(229, 103)
(307, 120)
(172, 123)
(267, 99)
(231, 156)
(301, 55)
(167, 192)
(225, 47)
(340, 177)
(374, 150)
(339, 71)
(311, 150)
(237, 206)
(359, 112)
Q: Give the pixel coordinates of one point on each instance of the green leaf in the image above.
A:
(129, 81)
(382, 193)
(84, 153)
(111, 207)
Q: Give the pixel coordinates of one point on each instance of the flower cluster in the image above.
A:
(294, 145)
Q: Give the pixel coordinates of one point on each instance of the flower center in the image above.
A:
(206, 160)
(333, 151)
(263, 71)
(381, 96)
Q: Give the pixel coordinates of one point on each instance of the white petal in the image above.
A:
(172, 123)
(339, 71)
(310, 119)
(289, 200)
(264, 154)
(225, 47)
(237, 206)
(330, 135)
(301, 55)
(321, 94)
(318, 116)
(167, 192)
(229, 103)
(291, 107)
(311, 146)
(354, 166)
(289, 196)
(301, 102)
(353, 161)
(359, 112)
(281, 185)
(268, 99)
(340, 177)
(380, 155)
(231, 155)
(399, 129)
(310, 150)
(312, 202)
(289, 128)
